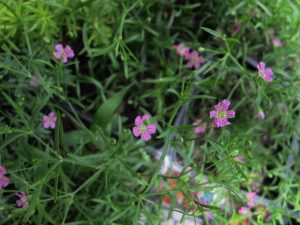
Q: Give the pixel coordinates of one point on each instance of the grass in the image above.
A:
(90, 169)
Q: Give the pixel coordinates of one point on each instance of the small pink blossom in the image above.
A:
(194, 60)
(22, 202)
(181, 49)
(4, 180)
(244, 210)
(201, 127)
(276, 42)
(143, 129)
(239, 159)
(50, 120)
(252, 198)
(261, 115)
(221, 114)
(34, 81)
(63, 53)
(265, 73)
(236, 27)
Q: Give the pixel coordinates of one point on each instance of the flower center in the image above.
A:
(221, 114)
(143, 128)
(195, 59)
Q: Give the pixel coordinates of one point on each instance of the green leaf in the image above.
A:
(106, 111)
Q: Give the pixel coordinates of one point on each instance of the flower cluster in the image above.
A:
(194, 58)
(4, 182)
(252, 200)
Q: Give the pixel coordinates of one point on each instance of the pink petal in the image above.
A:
(46, 124)
(194, 54)
(45, 118)
(221, 122)
(57, 55)
(197, 65)
(230, 114)
(136, 132)
(2, 170)
(52, 125)
(225, 104)
(251, 203)
(212, 114)
(269, 72)
(145, 117)
(151, 128)
(267, 79)
(19, 203)
(4, 181)
(190, 64)
(69, 51)
(65, 58)
(59, 47)
(201, 59)
(145, 136)
(261, 66)
(51, 114)
(138, 121)
(209, 215)
(244, 210)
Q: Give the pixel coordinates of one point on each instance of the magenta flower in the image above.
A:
(22, 202)
(261, 115)
(252, 198)
(63, 53)
(142, 128)
(221, 114)
(34, 81)
(50, 120)
(239, 159)
(181, 49)
(244, 210)
(4, 180)
(276, 42)
(265, 73)
(201, 127)
(194, 60)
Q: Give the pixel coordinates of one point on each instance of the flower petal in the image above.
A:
(225, 104)
(261, 66)
(52, 125)
(145, 136)
(59, 47)
(46, 124)
(136, 132)
(145, 117)
(2, 170)
(4, 181)
(230, 114)
(138, 121)
(269, 72)
(151, 128)
(69, 51)
(267, 79)
(57, 55)
(212, 114)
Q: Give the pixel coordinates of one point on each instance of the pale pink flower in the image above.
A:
(201, 127)
(276, 42)
(261, 115)
(244, 210)
(265, 73)
(22, 202)
(239, 159)
(63, 53)
(34, 81)
(194, 60)
(221, 114)
(142, 128)
(4, 180)
(50, 120)
(181, 49)
(252, 198)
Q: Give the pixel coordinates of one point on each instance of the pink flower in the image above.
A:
(265, 73)
(276, 42)
(34, 81)
(209, 215)
(201, 127)
(143, 129)
(261, 115)
(244, 210)
(194, 60)
(63, 53)
(181, 49)
(50, 120)
(221, 114)
(4, 180)
(236, 27)
(22, 202)
(252, 198)
(240, 159)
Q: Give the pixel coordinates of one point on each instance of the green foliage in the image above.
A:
(90, 169)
